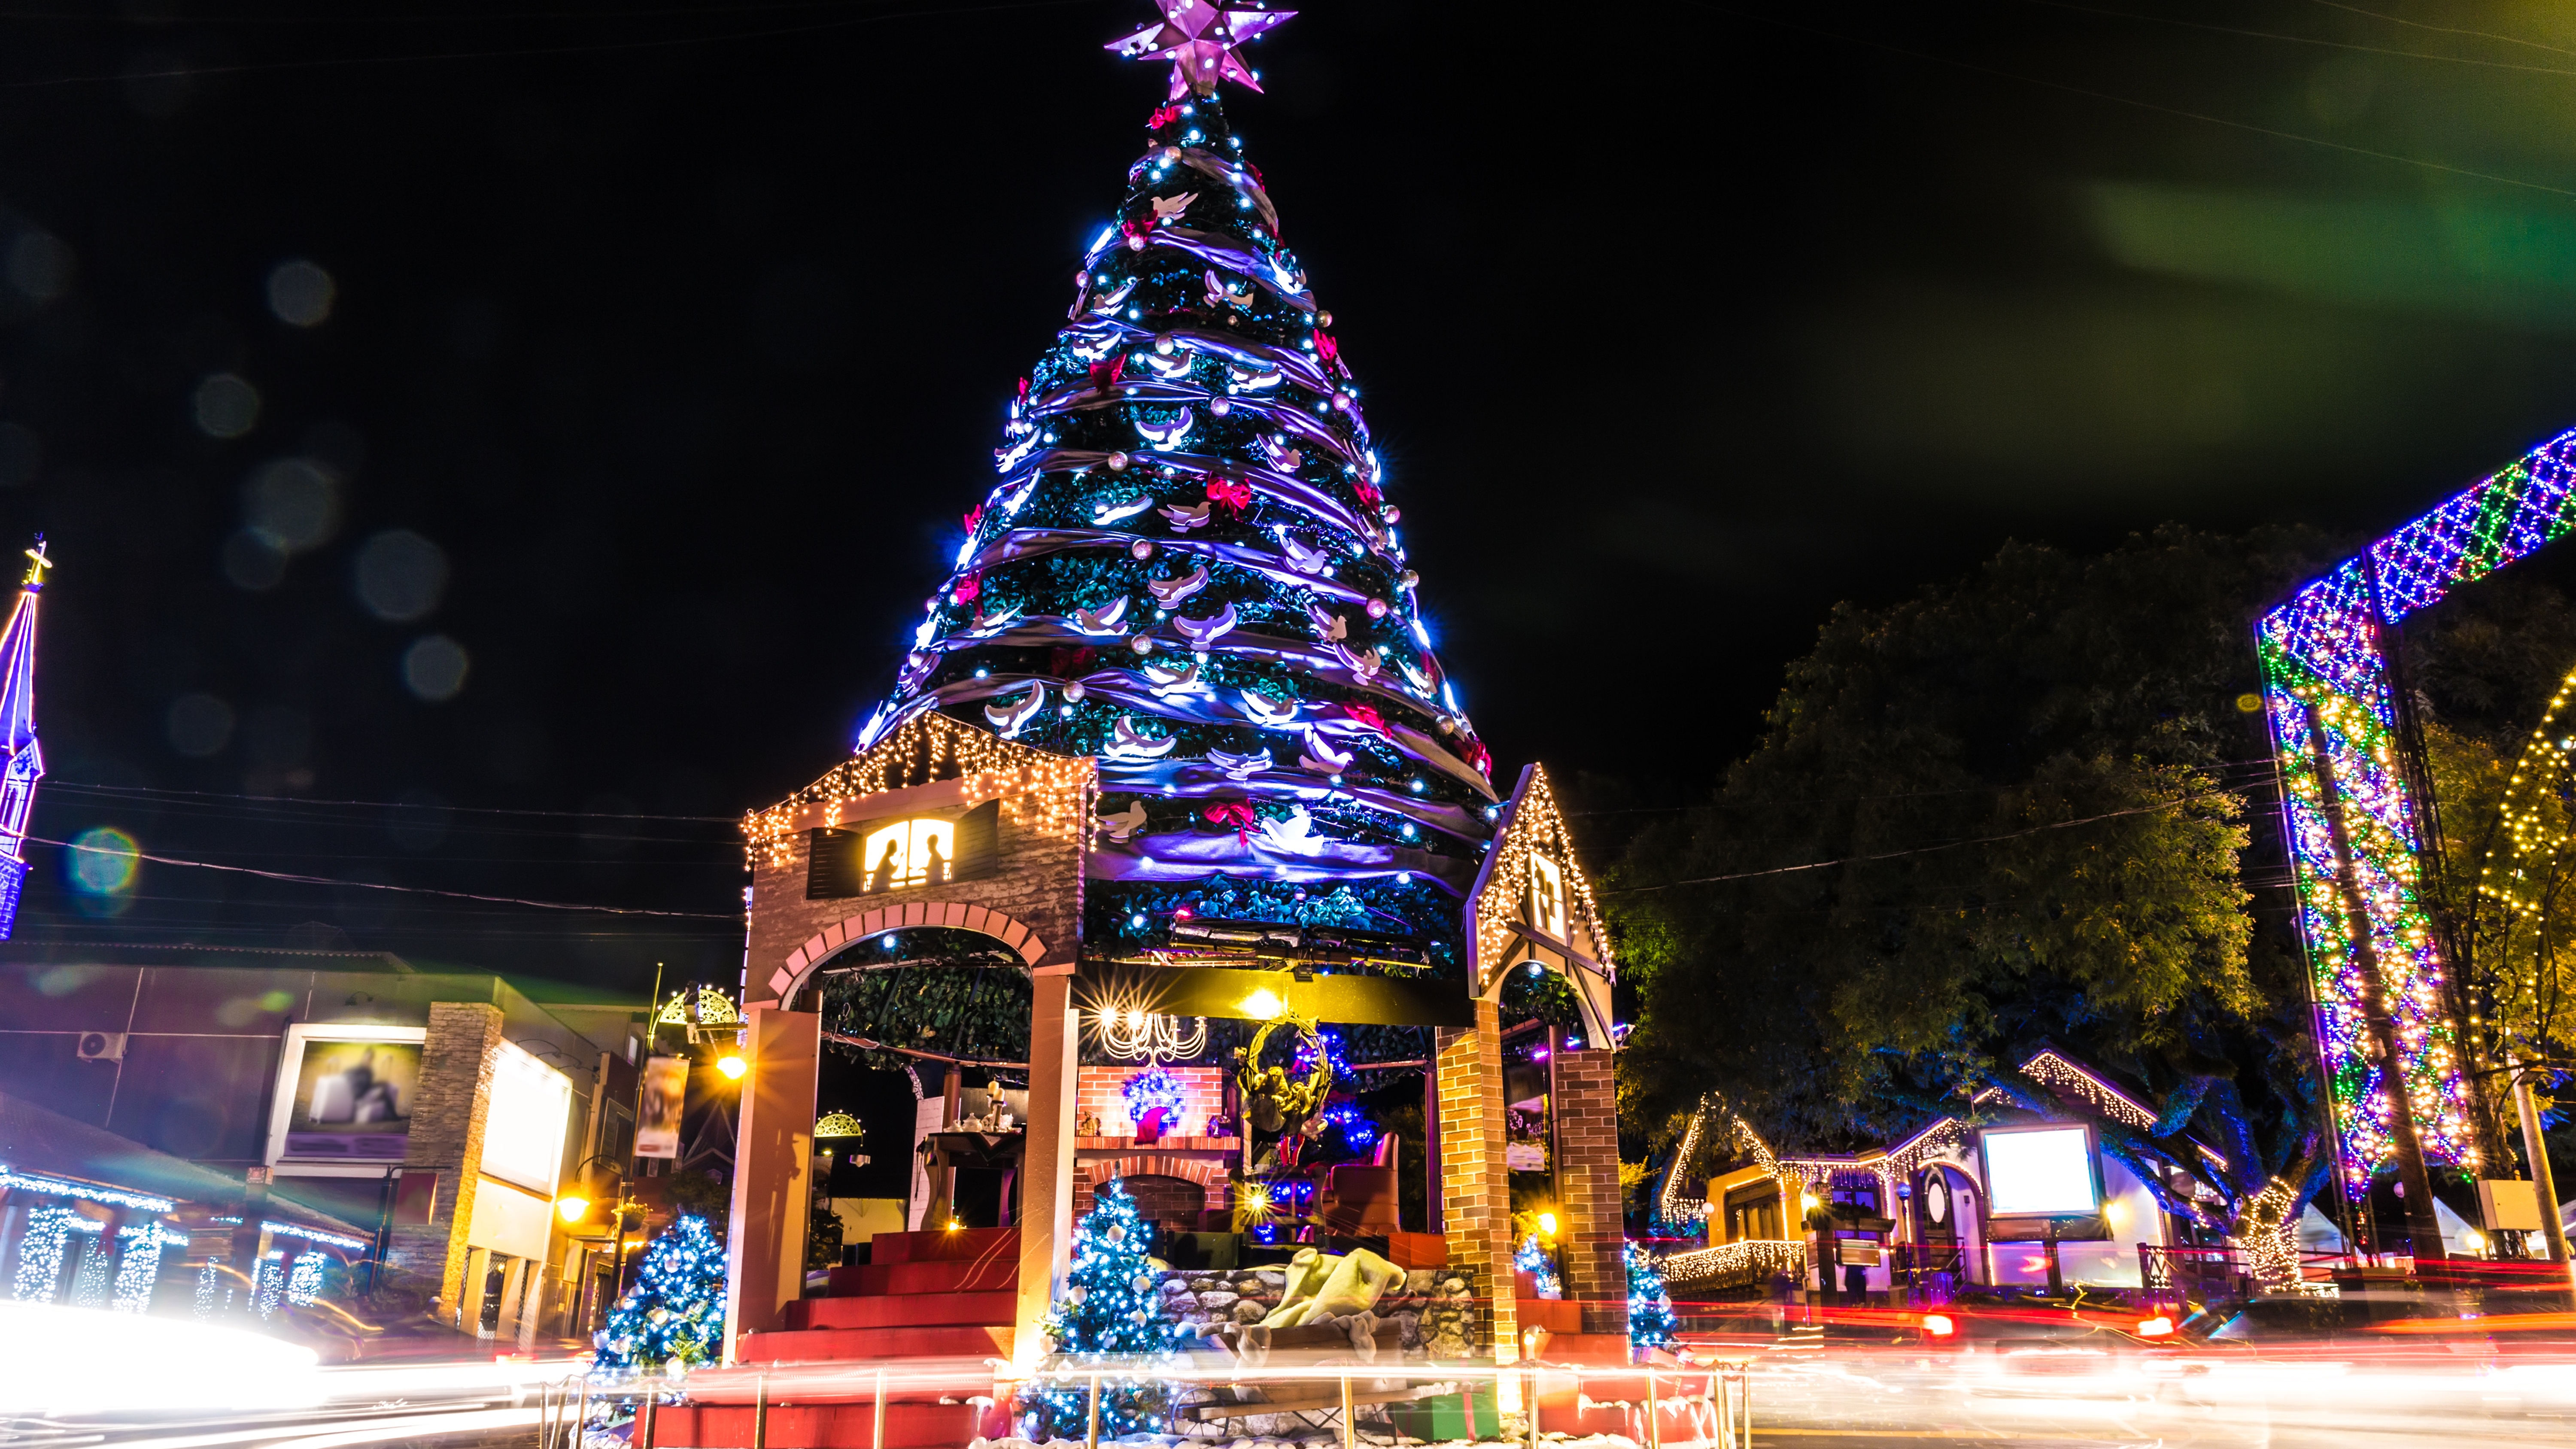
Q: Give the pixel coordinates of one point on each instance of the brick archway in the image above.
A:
(801, 964)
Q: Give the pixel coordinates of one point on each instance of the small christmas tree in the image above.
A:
(1650, 1308)
(674, 1315)
(1109, 1320)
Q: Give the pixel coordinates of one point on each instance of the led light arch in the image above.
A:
(2329, 700)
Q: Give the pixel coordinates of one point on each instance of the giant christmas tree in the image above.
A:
(1190, 568)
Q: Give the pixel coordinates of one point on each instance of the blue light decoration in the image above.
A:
(1533, 1258)
(1358, 1132)
(270, 1291)
(1149, 1089)
(2327, 694)
(674, 1314)
(138, 1266)
(89, 1281)
(1109, 1321)
(41, 1186)
(22, 762)
(40, 1253)
(207, 1280)
(1188, 567)
(304, 1280)
(1650, 1307)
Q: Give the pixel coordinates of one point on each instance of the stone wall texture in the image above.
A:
(447, 1121)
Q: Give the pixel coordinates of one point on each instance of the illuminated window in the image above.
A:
(1547, 897)
(907, 853)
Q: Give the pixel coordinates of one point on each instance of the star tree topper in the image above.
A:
(1199, 40)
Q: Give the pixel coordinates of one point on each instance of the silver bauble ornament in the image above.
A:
(1142, 644)
(1377, 608)
(1117, 462)
(1073, 693)
(1141, 548)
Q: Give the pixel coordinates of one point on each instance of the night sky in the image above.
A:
(640, 361)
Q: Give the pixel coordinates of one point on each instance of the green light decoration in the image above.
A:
(838, 1124)
(2332, 708)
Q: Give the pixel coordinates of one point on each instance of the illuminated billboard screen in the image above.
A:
(2041, 1172)
(523, 1135)
(350, 1099)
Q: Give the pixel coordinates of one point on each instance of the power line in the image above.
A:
(1918, 850)
(300, 801)
(369, 885)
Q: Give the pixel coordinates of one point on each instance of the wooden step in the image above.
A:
(832, 1426)
(905, 1310)
(936, 1276)
(817, 1344)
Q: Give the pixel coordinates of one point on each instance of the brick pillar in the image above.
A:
(448, 1113)
(773, 1172)
(1047, 1187)
(1592, 1228)
(1476, 1189)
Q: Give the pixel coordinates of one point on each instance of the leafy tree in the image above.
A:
(2009, 811)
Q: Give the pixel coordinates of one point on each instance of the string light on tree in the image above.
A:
(1650, 1307)
(673, 1318)
(1110, 1321)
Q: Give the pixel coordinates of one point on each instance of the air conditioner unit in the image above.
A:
(102, 1046)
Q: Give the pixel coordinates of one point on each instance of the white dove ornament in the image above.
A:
(1168, 592)
(1301, 558)
(1294, 835)
(1111, 300)
(1178, 365)
(1168, 682)
(1105, 621)
(1240, 768)
(1167, 436)
(1125, 824)
(1266, 710)
(1204, 632)
(1011, 718)
(1112, 512)
(1171, 208)
(1126, 744)
(1185, 519)
(993, 623)
(1320, 758)
(1281, 456)
(1333, 627)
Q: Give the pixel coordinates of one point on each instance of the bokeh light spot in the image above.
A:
(301, 293)
(199, 725)
(101, 861)
(434, 668)
(400, 575)
(292, 502)
(252, 562)
(226, 406)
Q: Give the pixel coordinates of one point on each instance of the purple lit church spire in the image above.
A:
(22, 761)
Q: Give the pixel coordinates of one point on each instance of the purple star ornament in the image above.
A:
(1199, 39)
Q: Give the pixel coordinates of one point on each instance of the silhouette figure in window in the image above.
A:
(882, 878)
(934, 866)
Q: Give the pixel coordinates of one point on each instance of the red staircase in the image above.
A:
(928, 1310)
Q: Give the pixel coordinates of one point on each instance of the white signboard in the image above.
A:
(2041, 1172)
(523, 1137)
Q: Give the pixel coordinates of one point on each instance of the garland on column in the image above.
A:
(1650, 1308)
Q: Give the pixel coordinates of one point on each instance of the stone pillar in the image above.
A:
(773, 1171)
(1046, 1193)
(1476, 1189)
(448, 1115)
(1592, 1228)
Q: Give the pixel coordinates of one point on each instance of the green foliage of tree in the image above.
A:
(2031, 787)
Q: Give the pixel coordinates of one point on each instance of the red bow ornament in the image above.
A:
(1364, 715)
(1163, 116)
(1231, 494)
(1105, 375)
(969, 589)
(1234, 813)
